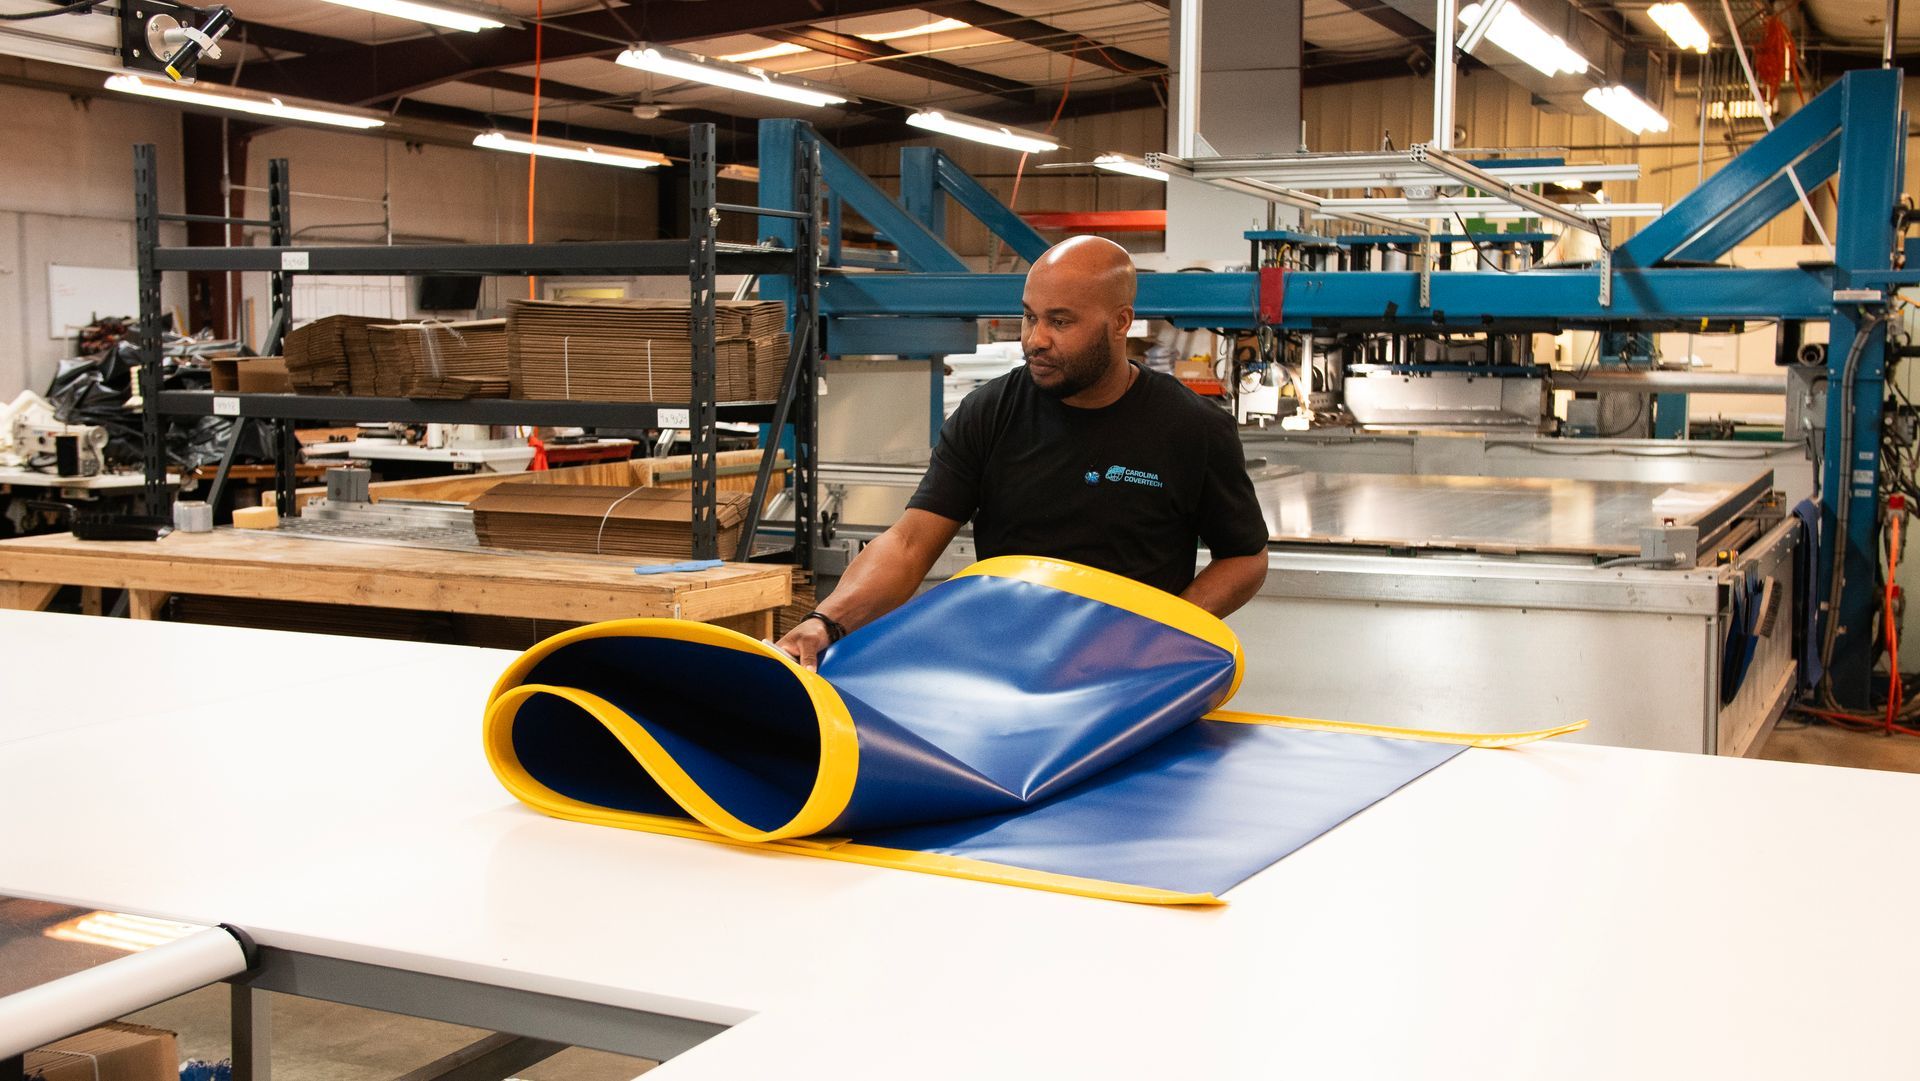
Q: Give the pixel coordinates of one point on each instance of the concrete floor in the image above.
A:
(321, 1041)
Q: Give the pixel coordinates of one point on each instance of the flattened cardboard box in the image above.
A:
(115, 1051)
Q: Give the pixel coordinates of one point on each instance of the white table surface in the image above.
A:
(1557, 911)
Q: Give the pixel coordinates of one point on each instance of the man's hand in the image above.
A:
(806, 642)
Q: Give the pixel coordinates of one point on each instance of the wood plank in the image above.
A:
(90, 601)
(28, 596)
(146, 603)
(753, 624)
(237, 563)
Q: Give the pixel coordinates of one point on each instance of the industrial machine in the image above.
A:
(157, 36)
(69, 450)
(1416, 377)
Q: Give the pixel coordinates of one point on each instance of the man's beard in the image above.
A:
(1077, 371)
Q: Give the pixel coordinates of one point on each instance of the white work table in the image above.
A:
(1557, 911)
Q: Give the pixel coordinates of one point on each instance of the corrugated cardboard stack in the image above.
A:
(116, 1051)
(635, 350)
(441, 360)
(600, 519)
(331, 355)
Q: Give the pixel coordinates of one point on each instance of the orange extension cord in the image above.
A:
(1888, 722)
(533, 160)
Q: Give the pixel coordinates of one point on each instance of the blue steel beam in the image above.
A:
(919, 248)
(1734, 184)
(1466, 298)
(1767, 203)
(928, 165)
(1871, 169)
(920, 190)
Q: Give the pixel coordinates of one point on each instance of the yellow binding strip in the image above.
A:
(873, 856)
(839, 742)
(1122, 593)
(1470, 739)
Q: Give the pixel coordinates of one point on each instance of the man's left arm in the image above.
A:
(1231, 525)
(1223, 585)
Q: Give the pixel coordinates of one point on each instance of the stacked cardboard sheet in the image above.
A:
(441, 360)
(599, 519)
(331, 355)
(638, 350)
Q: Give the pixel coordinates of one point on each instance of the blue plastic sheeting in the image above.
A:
(1027, 717)
(1202, 810)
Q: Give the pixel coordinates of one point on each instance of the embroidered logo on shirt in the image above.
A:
(1093, 476)
(1120, 474)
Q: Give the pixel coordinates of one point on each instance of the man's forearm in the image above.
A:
(881, 578)
(1223, 585)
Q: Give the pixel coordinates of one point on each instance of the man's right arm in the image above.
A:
(881, 578)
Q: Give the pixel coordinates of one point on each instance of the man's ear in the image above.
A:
(1122, 319)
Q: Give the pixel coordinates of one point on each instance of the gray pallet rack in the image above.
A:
(701, 257)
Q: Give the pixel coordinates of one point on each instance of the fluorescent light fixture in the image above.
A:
(1625, 108)
(568, 150)
(1120, 163)
(452, 18)
(701, 69)
(788, 48)
(240, 102)
(981, 132)
(1516, 32)
(1678, 21)
(739, 172)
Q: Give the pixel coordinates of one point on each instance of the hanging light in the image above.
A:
(1516, 32)
(453, 18)
(747, 80)
(982, 132)
(1678, 21)
(568, 150)
(240, 101)
(1625, 108)
(1122, 163)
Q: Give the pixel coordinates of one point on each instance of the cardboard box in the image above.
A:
(600, 519)
(251, 375)
(113, 1052)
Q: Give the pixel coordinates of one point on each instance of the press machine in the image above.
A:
(1415, 346)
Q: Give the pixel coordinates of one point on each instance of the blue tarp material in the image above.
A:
(1029, 722)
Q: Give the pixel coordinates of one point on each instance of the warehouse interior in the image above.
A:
(537, 539)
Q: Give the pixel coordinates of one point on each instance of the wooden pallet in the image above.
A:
(244, 563)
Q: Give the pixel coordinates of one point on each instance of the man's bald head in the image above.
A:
(1078, 304)
(1094, 265)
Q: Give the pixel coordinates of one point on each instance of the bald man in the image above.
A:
(1082, 455)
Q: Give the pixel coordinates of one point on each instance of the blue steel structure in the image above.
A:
(1853, 132)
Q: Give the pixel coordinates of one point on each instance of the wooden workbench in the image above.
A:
(261, 565)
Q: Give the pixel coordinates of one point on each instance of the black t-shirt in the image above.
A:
(1127, 488)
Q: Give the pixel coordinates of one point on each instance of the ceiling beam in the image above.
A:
(549, 89)
(848, 47)
(1034, 32)
(393, 69)
(1388, 18)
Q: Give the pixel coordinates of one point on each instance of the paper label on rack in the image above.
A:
(293, 260)
(226, 407)
(676, 418)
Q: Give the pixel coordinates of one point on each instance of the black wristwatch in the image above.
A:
(835, 631)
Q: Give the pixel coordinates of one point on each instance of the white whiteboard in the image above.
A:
(76, 294)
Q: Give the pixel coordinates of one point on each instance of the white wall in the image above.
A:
(441, 195)
(66, 196)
